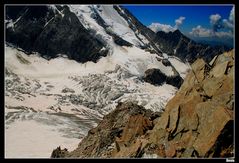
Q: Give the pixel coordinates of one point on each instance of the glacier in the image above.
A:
(56, 102)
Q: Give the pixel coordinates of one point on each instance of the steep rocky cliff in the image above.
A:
(52, 31)
(197, 121)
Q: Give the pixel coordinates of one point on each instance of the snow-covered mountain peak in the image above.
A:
(104, 19)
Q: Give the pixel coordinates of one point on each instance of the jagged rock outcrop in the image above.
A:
(116, 132)
(59, 153)
(68, 90)
(197, 122)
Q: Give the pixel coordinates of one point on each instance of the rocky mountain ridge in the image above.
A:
(177, 44)
(51, 32)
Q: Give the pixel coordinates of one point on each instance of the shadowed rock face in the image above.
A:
(50, 33)
(156, 77)
(197, 122)
(58, 152)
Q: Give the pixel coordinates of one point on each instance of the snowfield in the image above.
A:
(91, 91)
(87, 91)
(56, 102)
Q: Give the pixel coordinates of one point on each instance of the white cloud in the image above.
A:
(179, 21)
(223, 34)
(215, 18)
(228, 24)
(217, 24)
(165, 27)
(161, 27)
(199, 31)
(232, 14)
(216, 21)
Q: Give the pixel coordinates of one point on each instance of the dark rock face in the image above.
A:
(175, 80)
(14, 12)
(186, 49)
(59, 153)
(119, 41)
(50, 33)
(156, 77)
(166, 62)
(28, 27)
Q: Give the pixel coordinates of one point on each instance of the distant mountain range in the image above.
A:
(216, 43)
(55, 29)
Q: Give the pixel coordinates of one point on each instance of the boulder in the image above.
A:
(175, 80)
(156, 77)
(42, 30)
(68, 90)
(166, 62)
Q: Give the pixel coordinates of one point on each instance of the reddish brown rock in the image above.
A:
(197, 122)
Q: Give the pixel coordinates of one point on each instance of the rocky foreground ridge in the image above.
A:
(197, 121)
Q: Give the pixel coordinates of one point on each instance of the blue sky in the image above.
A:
(204, 19)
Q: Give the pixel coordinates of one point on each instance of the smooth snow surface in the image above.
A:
(181, 67)
(26, 139)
